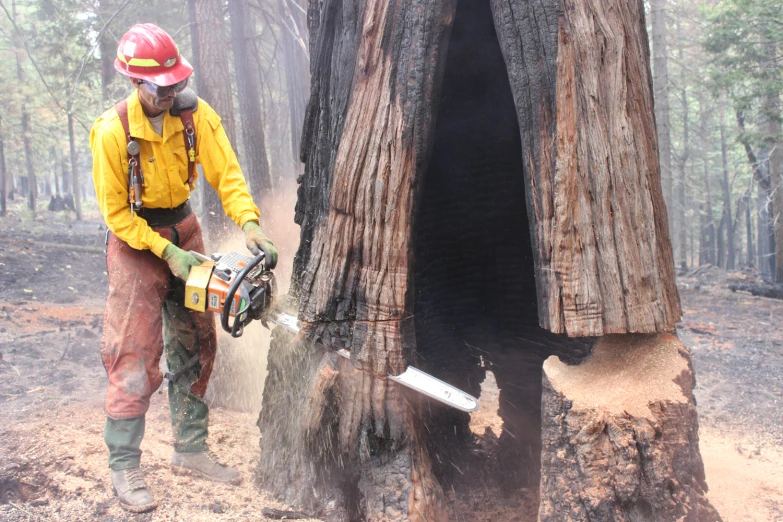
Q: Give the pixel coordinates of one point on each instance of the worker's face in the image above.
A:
(151, 103)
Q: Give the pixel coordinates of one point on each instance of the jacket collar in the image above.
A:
(140, 127)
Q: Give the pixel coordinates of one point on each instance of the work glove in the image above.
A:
(179, 261)
(257, 242)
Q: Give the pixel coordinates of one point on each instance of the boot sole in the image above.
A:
(138, 509)
(135, 509)
(181, 470)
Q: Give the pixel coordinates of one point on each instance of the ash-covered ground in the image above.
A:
(52, 458)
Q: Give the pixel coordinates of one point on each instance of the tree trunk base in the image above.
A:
(620, 435)
(321, 451)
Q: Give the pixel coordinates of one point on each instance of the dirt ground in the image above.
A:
(52, 457)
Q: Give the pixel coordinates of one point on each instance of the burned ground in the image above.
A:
(52, 457)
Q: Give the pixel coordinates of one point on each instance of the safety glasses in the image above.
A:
(160, 91)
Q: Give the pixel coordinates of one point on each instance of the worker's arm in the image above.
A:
(110, 176)
(221, 168)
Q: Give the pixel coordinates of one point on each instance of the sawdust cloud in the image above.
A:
(238, 377)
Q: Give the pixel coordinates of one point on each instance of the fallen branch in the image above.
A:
(763, 290)
(699, 270)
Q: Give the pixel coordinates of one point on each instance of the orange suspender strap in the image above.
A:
(122, 112)
(190, 144)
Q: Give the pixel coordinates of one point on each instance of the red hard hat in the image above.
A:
(148, 52)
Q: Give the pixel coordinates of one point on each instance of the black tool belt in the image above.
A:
(165, 217)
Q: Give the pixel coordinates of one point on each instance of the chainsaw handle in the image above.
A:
(224, 314)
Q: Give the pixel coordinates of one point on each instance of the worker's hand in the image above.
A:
(257, 242)
(179, 261)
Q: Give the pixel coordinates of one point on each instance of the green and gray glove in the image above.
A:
(179, 261)
(257, 242)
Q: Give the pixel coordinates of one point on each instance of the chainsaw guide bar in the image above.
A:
(412, 378)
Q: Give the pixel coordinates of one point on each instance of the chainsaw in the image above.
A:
(237, 286)
(232, 285)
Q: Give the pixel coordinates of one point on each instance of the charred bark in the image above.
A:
(598, 219)
(351, 273)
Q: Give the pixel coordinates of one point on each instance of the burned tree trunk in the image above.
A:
(621, 435)
(374, 66)
(481, 183)
(583, 93)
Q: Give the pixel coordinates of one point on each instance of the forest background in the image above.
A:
(717, 84)
(717, 80)
(57, 76)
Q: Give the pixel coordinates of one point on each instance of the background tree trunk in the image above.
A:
(661, 84)
(64, 176)
(295, 44)
(54, 158)
(708, 243)
(731, 255)
(27, 135)
(682, 161)
(214, 86)
(773, 137)
(27, 140)
(3, 173)
(759, 166)
(77, 191)
(748, 230)
(255, 164)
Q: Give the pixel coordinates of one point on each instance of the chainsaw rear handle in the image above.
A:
(236, 329)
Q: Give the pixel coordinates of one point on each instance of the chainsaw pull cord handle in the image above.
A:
(235, 330)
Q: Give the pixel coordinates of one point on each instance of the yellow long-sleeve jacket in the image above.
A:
(164, 163)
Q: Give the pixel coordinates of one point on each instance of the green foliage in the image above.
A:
(57, 46)
(744, 40)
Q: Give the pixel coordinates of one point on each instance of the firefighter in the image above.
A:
(152, 229)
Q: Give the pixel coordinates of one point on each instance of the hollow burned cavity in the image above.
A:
(475, 291)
